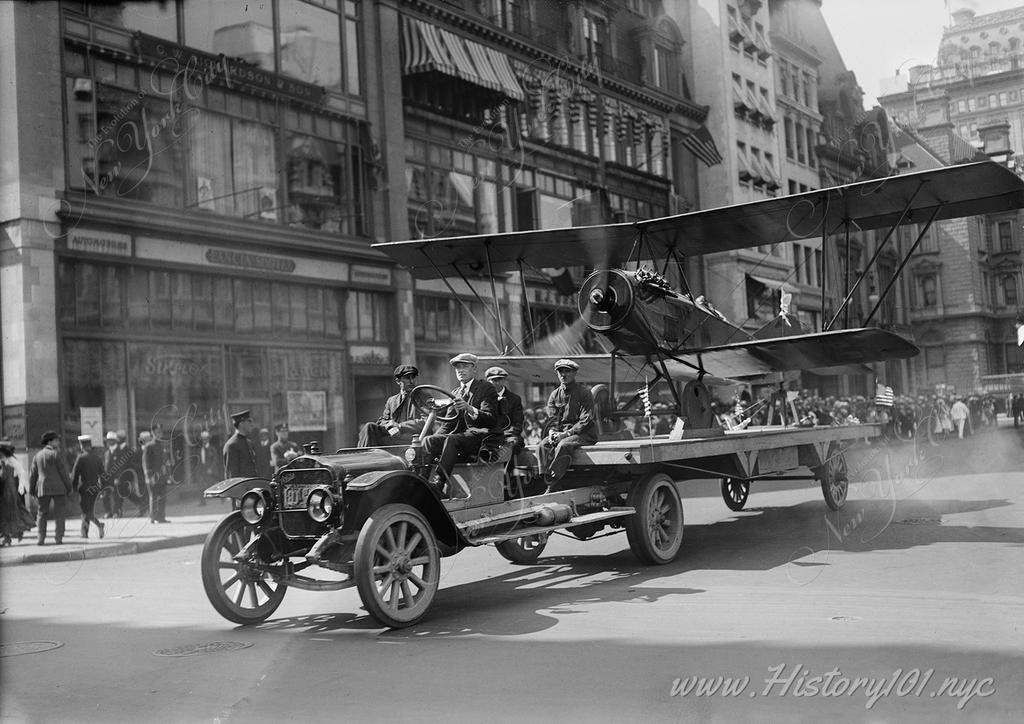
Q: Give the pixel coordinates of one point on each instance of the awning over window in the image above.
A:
(426, 48)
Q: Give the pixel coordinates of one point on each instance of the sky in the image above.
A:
(875, 37)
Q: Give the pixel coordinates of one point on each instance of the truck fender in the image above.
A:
(370, 491)
(235, 487)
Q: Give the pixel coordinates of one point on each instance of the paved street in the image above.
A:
(906, 606)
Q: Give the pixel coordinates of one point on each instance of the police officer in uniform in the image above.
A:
(239, 455)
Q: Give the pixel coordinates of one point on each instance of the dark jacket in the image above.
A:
(239, 457)
(572, 409)
(482, 396)
(153, 461)
(511, 406)
(49, 474)
(87, 472)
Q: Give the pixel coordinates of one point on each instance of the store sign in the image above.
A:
(14, 425)
(307, 410)
(362, 274)
(245, 260)
(100, 242)
(195, 69)
(91, 419)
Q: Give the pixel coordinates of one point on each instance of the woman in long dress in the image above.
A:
(15, 518)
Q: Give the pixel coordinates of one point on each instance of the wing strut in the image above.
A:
(874, 257)
(903, 263)
(494, 295)
(526, 298)
(458, 298)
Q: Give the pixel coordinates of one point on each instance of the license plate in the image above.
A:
(295, 495)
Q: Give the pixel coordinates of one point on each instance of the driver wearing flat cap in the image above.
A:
(459, 438)
(571, 411)
(400, 421)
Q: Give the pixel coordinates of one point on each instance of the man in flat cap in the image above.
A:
(86, 477)
(459, 438)
(510, 406)
(239, 455)
(571, 409)
(283, 451)
(400, 421)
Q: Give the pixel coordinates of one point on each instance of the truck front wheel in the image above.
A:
(397, 565)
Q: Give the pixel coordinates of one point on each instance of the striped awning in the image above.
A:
(426, 48)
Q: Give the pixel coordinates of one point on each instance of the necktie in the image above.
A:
(464, 392)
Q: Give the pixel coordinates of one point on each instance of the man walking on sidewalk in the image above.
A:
(50, 483)
(85, 480)
(154, 467)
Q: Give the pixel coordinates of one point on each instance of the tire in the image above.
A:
(655, 531)
(523, 551)
(835, 482)
(238, 591)
(735, 492)
(396, 552)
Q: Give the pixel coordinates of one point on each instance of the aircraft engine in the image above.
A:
(640, 313)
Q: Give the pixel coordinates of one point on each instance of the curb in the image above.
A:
(106, 551)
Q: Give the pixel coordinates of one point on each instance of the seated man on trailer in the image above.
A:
(571, 408)
(459, 438)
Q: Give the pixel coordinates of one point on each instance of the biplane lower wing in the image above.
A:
(821, 350)
(596, 368)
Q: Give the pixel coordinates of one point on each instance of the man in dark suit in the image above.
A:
(400, 421)
(510, 406)
(50, 483)
(154, 467)
(86, 480)
(459, 438)
(571, 408)
(239, 455)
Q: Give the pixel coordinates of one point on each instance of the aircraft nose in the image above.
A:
(605, 299)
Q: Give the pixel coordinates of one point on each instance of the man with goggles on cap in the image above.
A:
(400, 421)
(511, 406)
(571, 410)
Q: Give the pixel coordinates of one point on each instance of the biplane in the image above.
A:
(369, 516)
(676, 335)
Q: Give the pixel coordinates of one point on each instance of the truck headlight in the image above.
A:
(410, 454)
(320, 504)
(254, 506)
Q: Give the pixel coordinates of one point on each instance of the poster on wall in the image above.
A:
(92, 424)
(307, 410)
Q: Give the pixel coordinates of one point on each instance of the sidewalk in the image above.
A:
(189, 525)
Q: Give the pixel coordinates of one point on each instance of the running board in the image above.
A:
(534, 530)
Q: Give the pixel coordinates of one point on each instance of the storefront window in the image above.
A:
(322, 185)
(369, 317)
(93, 375)
(238, 30)
(310, 44)
(135, 155)
(153, 18)
(306, 392)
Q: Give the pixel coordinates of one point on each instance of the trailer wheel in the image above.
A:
(735, 492)
(523, 551)
(655, 530)
(834, 479)
(397, 565)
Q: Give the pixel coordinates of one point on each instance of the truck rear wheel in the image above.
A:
(524, 551)
(835, 481)
(397, 565)
(655, 530)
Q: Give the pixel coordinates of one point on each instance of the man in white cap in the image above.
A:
(459, 438)
(511, 407)
(571, 410)
(86, 475)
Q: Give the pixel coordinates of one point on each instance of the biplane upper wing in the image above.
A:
(950, 192)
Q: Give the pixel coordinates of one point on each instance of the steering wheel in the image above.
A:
(429, 399)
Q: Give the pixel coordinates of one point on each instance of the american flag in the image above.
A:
(884, 396)
(702, 145)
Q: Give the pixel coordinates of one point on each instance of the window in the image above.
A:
(935, 364)
(593, 37)
(159, 19)
(810, 148)
(790, 139)
(1004, 231)
(369, 317)
(1010, 290)
(929, 291)
(453, 193)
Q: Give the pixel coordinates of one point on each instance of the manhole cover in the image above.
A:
(919, 521)
(17, 648)
(214, 647)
